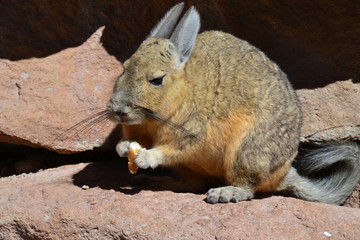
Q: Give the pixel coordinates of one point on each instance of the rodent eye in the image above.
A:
(157, 81)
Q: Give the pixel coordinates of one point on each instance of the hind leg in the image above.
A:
(228, 194)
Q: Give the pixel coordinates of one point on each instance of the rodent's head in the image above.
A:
(153, 77)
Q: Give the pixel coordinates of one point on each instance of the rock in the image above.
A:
(58, 207)
(332, 112)
(43, 97)
(58, 62)
(354, 199)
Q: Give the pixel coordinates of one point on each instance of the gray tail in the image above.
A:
(327, 174)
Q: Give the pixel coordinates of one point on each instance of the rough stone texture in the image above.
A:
(354, 199)
(55, 73)
(42, 97)
(36, 206)
(331, 112)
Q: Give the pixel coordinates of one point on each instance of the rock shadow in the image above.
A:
(106, 175)
(114, 175)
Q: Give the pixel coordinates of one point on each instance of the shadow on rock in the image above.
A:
(114, 175)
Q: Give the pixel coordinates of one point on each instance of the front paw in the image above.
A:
(122, 148)
(149, 158)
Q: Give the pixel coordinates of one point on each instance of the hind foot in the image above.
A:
(228, 194)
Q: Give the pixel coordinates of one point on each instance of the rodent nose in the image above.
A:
(120, 110)
(117, 107)
(117, 111)
(123, 110)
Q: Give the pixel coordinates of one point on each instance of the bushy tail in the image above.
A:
(328, 174)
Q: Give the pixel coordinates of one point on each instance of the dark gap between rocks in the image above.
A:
(18, 159)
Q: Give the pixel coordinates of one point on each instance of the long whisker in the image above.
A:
(93, 124)
(177, 127)
(171, 124)
(85, 110)
(88, 126)
(99, 118)
(82, 124)
(103, 123)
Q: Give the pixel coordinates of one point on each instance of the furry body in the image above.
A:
(222, 90)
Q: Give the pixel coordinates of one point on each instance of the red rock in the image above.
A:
(354, 199)
(52, 205)
(42, 97)
(334, 108)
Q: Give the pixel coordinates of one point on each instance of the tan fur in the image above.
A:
(273, 182)
(237, 102)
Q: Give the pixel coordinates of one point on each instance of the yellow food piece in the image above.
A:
(134, 149)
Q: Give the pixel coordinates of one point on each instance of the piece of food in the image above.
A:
(134, 149)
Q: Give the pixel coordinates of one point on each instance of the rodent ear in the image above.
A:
(185, 33)
(166, 26)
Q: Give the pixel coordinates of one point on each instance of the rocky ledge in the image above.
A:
(95, 201)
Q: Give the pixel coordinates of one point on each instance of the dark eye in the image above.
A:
(157, 81)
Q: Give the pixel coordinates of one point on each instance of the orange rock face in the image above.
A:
(42, 97)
